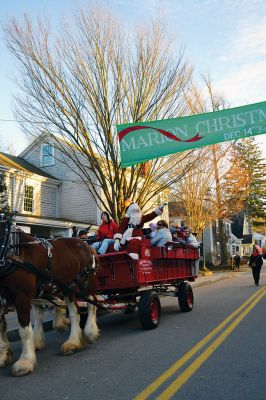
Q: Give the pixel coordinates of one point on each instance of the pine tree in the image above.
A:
(251, 160)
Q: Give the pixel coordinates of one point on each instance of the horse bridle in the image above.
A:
(7, 223)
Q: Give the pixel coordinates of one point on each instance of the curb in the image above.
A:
(213, 279)
(13, 335)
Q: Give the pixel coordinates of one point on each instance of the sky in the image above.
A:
(224, 38)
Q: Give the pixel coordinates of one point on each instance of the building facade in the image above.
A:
(46, 195)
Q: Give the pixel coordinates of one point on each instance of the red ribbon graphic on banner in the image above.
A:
(124, 132)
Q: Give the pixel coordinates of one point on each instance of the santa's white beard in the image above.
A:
(135, 219)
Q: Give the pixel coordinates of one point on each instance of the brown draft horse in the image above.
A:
(65, 259)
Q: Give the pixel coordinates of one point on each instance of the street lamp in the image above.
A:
(205, 271)
(203, 252)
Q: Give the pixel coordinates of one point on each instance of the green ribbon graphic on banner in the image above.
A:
(147, 140)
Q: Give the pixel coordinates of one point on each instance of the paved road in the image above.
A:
(12, 321)
(127, 359)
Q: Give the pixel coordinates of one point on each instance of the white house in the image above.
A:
(47, 193)
(212, 247)
(48, 202)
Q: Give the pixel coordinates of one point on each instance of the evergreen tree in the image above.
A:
(3, 195)
(251, 160)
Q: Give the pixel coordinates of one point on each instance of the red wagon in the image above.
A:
(125, 284)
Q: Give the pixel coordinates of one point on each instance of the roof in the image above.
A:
(234, 238)
(23, 165)
(247, 239)
(237, 225)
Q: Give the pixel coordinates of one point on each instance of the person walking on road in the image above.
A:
(237, 261)
(255, 263)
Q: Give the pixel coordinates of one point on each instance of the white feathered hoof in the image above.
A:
(39, 343)
(61, 325)
(70, 347)
(6, 358)
(22, 367)
(91, 337)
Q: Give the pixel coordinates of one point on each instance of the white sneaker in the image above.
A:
(134, 256)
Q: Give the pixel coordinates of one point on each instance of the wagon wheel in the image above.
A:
(149, 310)
(185, 297)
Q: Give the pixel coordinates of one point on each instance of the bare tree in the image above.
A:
(224, 184)
(6, 146)
(192, 193)
(77, 86)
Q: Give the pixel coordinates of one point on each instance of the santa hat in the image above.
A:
(127, 203)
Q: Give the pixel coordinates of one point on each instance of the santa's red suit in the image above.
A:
(130, 229)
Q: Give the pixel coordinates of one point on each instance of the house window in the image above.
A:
(47, 155)
(218, 249)
(237, 248)
(28, 198)
(227, 229)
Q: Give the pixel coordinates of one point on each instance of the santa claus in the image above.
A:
(130, 229)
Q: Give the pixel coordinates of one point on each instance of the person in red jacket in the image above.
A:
(255, 263)
(105, 234)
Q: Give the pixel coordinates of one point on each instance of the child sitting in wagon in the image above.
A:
(163, 234)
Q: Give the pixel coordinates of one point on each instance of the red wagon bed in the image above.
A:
(124, 283)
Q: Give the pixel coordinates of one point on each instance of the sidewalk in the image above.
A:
(12, 322)
(215, 277)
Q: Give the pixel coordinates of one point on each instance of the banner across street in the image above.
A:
(144, 141)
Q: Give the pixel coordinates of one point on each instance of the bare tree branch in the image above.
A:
(77, 86)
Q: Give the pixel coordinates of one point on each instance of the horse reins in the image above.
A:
(30, 268)
(9, 264)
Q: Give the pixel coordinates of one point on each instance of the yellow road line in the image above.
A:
(178, 364)
(192, 368)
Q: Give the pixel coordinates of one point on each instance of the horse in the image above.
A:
(31, 267)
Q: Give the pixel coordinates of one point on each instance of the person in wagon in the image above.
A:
(82, 234)
(153, 228)
(163, 234)
(105, 234)
(177, 231)
(190, 239)
(130, 229)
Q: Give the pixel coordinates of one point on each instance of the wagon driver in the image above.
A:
(130, 229)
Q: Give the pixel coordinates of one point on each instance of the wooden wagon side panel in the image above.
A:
(164, 270)
(117, 270)
(156, 265)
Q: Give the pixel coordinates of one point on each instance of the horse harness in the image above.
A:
(10, 261)
(10, 250)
